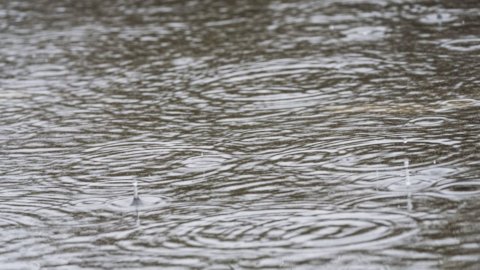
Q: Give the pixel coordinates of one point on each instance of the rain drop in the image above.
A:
(406, 163)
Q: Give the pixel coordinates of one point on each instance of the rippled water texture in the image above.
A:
(262, 134)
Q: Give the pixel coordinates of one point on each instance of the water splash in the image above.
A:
(136, 199)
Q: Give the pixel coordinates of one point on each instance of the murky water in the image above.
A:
(262, 134)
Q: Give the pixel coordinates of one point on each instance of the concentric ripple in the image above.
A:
(391, 181)
(365, 33)
(438, 18)
(462, 45)
(142, 156)
(295, 228)
(119, 204)
(272, 85)
(428, 121)
(459, 190)
(370, 154)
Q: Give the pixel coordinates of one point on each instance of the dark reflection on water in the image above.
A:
(262, 134)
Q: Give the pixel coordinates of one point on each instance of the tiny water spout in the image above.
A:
(136, 199)
(439, 19)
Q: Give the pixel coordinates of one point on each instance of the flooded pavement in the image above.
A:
(262, 134)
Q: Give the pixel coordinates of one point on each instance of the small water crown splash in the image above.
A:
(136, 199)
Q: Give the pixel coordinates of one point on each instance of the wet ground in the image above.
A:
(262, 134)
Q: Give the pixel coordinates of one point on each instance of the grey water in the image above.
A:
(271, 134)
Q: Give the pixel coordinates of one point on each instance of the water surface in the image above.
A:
(263, 134)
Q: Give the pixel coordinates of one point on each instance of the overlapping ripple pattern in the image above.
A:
(261, 134)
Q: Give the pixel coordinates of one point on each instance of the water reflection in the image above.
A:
(262, 134)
